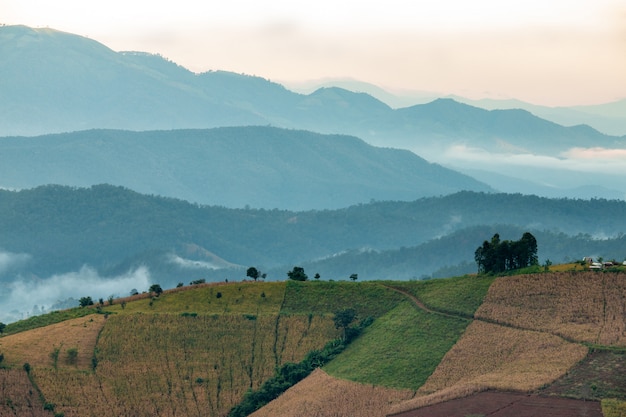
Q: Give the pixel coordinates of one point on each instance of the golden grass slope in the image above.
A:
(322, 395)
(35, 346)
(581, 306)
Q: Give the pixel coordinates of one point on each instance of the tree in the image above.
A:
(253, 273)
(85, 301)
(354, 277)
(343, 319)
(297, 274)
(498, 256)
(317, 276)
(156, 289)
(2, 327)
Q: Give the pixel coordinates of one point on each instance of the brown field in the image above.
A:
(500, 404)
(490, 356)
(35, 346)
(581, 306)
(320, 395)
(170, 365)
(17, 395)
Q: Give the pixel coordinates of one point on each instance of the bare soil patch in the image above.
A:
(602, 374)
(502, 404)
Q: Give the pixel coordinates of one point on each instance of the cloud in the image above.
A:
(191, 264)
(584, 160)
(22, 295)
(10, 260)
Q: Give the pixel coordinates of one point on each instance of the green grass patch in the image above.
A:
(401, 349)
(613, 408)
(325, 297)
(458, 295)
(47, 319)
(234, 298)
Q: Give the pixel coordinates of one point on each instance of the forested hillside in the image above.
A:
(260, 167)
(57, 230)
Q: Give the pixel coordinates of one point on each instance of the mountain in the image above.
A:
(54, 82)
(608, 118)
(262, 167)
(57, 241)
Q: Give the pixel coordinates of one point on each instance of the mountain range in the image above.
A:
(53, 82)
(56, 241)
(261, 167)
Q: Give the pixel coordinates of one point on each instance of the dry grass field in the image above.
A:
(36, 346)
(490, 356)
(581, 306)
(175, 365)
(18, 396)
(320, 395)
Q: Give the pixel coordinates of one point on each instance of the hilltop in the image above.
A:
(196, 350)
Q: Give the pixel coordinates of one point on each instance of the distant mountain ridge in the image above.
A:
(261, 167)
(55, 82)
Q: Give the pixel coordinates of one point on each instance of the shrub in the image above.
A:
(72, 355)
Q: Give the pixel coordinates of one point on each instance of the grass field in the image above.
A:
(459, 295)
(400, 349)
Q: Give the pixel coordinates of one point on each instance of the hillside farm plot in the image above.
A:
(52, 345)
(490, 356)
(582, 306)
(322, 395)
(181, 365)
(18, 396)
(501, 404)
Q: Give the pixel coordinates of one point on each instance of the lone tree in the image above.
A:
(254, 273)
(297, 274)
(354, 277)
(343, 319)
(2, 326)
(497, 256)
(85, 301)
(156, 289)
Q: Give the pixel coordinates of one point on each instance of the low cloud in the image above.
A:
(192, 264)
(587, 160)
(9, 260)
(22, 295)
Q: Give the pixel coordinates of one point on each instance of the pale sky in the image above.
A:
(550, 52)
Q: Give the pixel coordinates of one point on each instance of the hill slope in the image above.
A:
(194, 352)
(261, 167)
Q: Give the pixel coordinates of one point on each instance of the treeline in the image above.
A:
(504, 255)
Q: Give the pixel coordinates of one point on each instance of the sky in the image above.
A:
(549, 52)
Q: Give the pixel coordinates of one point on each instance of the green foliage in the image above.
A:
(54, 355)
(343, 319)
(156, 289)
(297, 274)
(72, 356)
(2, 327)
(47, 319)
(499, 256)
(286, 376)
(354, 277)
(85, 301)
(253, 273)
(400, 349)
